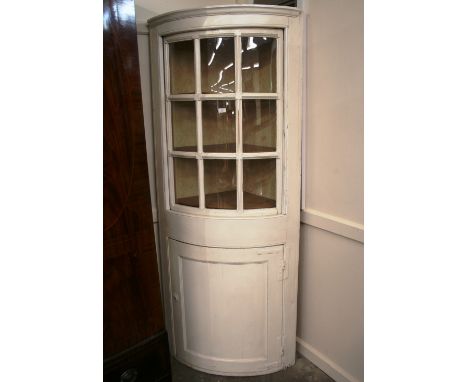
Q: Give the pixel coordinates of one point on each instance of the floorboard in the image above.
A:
(303, 370)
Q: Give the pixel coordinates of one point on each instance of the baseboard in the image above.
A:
(322, 362)
(150, 359)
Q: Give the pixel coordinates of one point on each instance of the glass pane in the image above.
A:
(219, 126)
(184, 126)
(217, 65)
(186, 181)
(220, 184)
(258, 125)
(259, 183)
(258, 64)
(182, 67)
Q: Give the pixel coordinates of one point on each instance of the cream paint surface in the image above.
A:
(283, 335)
(143, 53)
(331, 300)
(335, 135)
(145, 9)
(330, 308)
(334, 175)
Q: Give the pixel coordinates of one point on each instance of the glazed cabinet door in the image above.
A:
(224, 108)
(227, 306)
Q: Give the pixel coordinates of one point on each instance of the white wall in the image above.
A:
(331, 299)
(335, 177)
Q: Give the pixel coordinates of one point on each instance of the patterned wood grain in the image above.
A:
(132, 303)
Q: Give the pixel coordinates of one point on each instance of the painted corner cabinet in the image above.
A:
(227, 84)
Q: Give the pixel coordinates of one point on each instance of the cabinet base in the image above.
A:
(236, 374)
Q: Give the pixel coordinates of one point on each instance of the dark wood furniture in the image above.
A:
(135, 340)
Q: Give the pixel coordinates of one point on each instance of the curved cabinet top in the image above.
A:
(224, 10)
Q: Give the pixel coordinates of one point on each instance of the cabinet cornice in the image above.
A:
(238, 9)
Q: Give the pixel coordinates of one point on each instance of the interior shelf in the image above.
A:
(226, 148)
(252, 201)
(228, 200)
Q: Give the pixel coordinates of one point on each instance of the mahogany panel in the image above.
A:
(132, 299)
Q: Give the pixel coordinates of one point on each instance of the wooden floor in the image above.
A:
(302, 371)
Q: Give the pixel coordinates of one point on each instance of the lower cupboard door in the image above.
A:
(227, 307)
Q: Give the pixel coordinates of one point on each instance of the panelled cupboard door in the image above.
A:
(227, 307)
(227, 121)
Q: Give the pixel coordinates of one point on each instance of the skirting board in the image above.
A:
(322, 362)
(335, 224)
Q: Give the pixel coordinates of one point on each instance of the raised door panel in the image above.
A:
(227, 306)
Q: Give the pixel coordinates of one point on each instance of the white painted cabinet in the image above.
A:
(227, 120)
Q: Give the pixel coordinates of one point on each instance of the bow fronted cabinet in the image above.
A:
(227, 100)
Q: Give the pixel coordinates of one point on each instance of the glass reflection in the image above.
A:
(219, 126)
(217, 65)
(258, 125)
(258, 64)
(182, 67)
(186, 181)
(220, 184)
(184, 126)
(259, 183)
